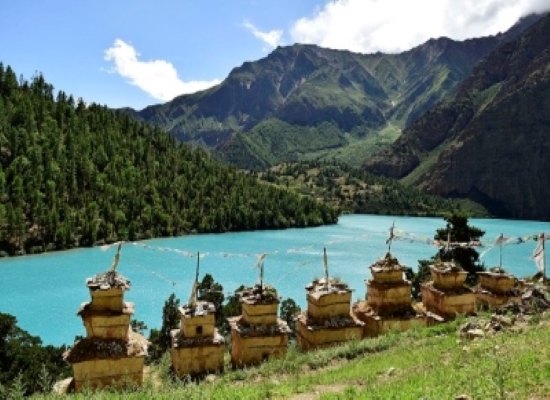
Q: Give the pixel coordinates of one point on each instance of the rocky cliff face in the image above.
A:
(491, 143)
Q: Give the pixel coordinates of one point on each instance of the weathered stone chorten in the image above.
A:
(112, 354)
(328, 319)
(388, 300)
(197, 348)
(496, 288)
(258, 333)
(446, 296)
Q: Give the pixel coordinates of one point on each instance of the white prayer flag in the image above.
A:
(538, 256)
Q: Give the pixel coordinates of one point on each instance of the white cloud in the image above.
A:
(158, 78)
(272, 38)
(396, 25)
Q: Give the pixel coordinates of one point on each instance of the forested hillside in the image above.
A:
(73, 174)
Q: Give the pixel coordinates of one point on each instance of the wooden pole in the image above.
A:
(500, 240)
(262, 276)
(117, 257)
(326, 266)
(543, 238)
(390, 239)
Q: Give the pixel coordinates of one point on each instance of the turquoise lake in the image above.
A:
(45, 291)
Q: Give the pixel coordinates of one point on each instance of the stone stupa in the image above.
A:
(258, 333)
(112, 354)
(196, 347)
(328, 319)
(497, 288)
(446, 295)
(388, 303)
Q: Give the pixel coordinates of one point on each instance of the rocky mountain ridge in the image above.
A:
(490, 143)
(263, 110)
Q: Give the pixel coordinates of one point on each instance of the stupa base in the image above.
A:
(402, 319)
(448, 304)
(319, 334)
(196, 356)
(116, 373)
(493, 301)
(253, 344)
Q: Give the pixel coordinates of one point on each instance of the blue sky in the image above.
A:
(141, 52)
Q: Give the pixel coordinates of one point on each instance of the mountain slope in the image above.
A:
(490, 143)
(301, 92)
(73, 175)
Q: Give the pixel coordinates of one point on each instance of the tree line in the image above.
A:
(75, 174)
(353, 190)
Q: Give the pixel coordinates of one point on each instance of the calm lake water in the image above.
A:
(45, 291)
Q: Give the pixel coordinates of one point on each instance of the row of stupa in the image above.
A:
(113, 355)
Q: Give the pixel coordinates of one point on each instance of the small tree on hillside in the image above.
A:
(232, 308)
(289, 309)
(212, 291)
(465, 256)
(26, 365)
(160, 339)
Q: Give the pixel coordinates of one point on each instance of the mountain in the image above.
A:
(491, 142)
(305, 101)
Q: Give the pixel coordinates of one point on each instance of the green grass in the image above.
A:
(428, 363)
(424, 166)
(359, 149)
(488, 95)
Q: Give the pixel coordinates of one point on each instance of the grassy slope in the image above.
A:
(274, 141)
(359, 149)
(430, 363)
(427, 162)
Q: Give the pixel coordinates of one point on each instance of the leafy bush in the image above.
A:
(26, 366)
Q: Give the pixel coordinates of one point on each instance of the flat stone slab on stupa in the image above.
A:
(240, 325)
(179, 340)
(108, 280)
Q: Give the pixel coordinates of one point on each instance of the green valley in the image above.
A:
(351, 190)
